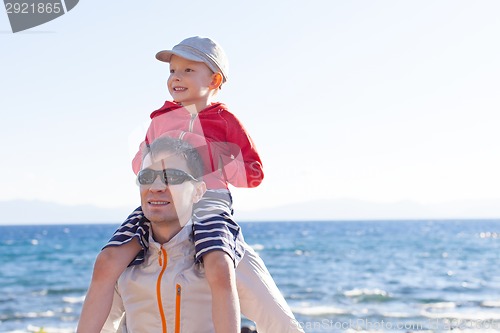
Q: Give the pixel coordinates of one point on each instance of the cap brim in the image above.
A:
(166, 55)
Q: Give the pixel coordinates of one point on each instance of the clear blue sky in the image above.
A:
(372, 100)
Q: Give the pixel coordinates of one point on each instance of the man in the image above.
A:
(169, 291)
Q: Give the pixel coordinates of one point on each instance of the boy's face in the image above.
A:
(190, 82)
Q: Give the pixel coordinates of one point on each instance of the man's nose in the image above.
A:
(158, 185)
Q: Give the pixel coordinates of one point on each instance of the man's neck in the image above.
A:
(163, 233)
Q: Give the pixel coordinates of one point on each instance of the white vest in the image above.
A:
(168, 292)
(186, 299)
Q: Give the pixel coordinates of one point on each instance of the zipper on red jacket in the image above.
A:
(178, 290)
(162, 261)
(191, 122)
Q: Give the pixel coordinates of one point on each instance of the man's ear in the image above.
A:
(199, 191)
(216, 81)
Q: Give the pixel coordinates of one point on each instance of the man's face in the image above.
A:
(170, 205)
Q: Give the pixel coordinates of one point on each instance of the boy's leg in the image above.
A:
(109, 265)
(220, 274)
(127, 244)
(215, 234)
(214, 227)
(260, 299)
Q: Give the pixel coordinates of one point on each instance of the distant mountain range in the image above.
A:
(348, 209)
(39, 212)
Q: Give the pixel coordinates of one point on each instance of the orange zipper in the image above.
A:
(162, 261)
(178, 290)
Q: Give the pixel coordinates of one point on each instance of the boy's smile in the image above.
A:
(177, 89)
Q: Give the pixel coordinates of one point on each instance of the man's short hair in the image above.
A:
(180, 148)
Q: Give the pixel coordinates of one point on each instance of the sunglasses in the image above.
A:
(167, 176)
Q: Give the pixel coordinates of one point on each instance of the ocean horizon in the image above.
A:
(337, 276)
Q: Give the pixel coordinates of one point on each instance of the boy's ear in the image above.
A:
(216, 81)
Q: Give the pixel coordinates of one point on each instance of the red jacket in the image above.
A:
(232, 156)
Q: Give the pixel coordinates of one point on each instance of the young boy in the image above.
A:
(198, 68)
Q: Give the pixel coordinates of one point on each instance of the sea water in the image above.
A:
(384, 276)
